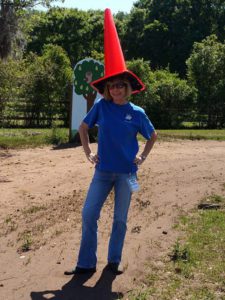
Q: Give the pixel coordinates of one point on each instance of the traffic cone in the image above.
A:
(114, 60)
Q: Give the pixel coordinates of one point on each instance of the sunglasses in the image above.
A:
(118, 85)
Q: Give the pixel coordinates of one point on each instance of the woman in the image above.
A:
(116, 162)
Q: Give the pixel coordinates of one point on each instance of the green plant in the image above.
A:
(180, 253)
(27, 242)
(216, 198)
(56, 136)
(20, 138)
(34, 209)
(11, 224)
(141, 295)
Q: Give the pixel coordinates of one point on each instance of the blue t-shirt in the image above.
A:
(118, 126)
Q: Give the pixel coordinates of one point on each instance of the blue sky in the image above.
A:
(114, 5)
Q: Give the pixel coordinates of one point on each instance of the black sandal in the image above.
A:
(79, 270)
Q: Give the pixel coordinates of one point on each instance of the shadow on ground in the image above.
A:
(76, 290)
(63, 146)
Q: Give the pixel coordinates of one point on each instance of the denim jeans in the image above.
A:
(100, 187)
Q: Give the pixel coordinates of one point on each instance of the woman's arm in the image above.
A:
(83, 131)
(147, 149)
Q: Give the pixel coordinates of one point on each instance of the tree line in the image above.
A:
(176, 47)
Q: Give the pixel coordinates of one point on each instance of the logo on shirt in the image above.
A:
(128, 117)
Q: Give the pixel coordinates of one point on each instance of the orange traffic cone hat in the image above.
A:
(114, 60)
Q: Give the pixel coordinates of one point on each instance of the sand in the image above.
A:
(42, 191)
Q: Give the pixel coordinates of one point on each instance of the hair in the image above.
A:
(128, 87)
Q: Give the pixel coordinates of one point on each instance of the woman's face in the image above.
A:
(117, 89)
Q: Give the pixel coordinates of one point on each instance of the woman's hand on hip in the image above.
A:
(93, 158)
(139, 160)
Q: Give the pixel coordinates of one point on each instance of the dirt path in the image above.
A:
(41, 194)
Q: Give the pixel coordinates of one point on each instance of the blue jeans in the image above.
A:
(100, 187)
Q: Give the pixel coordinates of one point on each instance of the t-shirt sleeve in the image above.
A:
(146, 128)
(92, 116)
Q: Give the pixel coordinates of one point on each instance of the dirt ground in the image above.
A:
(42, 192)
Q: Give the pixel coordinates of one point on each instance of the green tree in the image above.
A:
(172, 99)
(133, 44)
(142, 69)
(206, 71)
(94, 36)
(10, 13)
(167, 100)
(11, 78)
(167, 29)
(77, 32)
(8, 25)
(46, 85)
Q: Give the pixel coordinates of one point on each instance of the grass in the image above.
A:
(195, 269)
(193, 134)
(27, 241)
(10, 225)
(34, 209)
(213, 199)
(19, 138)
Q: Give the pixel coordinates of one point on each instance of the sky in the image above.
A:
(114, 5)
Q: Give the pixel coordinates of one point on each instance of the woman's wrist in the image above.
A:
(143, 157)
(87, 152)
